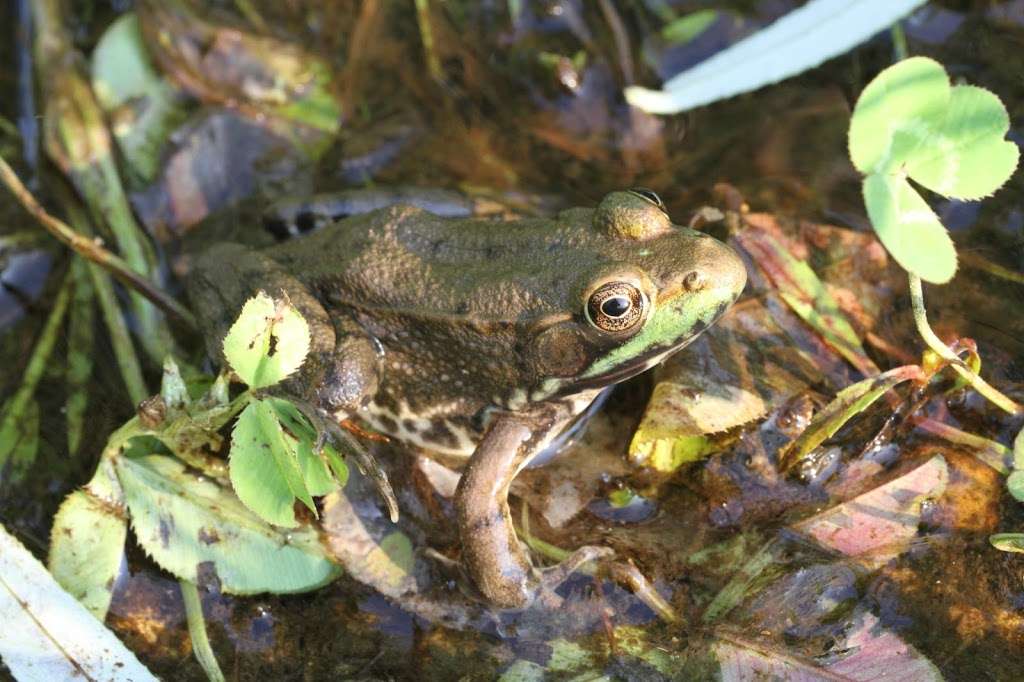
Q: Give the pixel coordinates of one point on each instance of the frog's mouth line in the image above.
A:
(641, 363)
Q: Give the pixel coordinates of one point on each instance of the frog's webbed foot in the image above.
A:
(329, 430)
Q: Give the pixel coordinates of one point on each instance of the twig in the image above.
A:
(92, 249)
(936, 344)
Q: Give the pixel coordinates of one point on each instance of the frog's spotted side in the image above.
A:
(483, 338)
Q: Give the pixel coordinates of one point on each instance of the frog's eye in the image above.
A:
(649, 195)
(616, 307)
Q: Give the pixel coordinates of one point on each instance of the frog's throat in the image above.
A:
(672, 325)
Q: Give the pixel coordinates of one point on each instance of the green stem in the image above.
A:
(197, 631)
(899, 42)
(427, 36)
(14, 411)
(124, 351)
(936, 344)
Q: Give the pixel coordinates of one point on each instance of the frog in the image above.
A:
(481, 339)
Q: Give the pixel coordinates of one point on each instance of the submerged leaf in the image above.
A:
(687, 27)
(881, 523)
(850, 402)
(268, 341)
(183, 520)
(805, 293)
(81, 339)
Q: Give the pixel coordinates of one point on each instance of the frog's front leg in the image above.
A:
(495, 559)
(340, 373)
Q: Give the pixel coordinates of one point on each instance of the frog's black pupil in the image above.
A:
(616, 306)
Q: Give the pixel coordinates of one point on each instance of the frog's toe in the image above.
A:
(554, 576)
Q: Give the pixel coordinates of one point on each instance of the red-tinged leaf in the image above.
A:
(879, 524)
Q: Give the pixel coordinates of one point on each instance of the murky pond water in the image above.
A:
(521, 114)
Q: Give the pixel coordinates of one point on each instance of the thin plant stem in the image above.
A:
(120, 338)
(197, 631)
(936, 344)
(427, 36)
(899, 42)
(92, 249)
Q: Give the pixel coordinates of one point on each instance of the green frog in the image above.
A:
(482, 338)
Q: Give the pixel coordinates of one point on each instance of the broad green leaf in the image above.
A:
(686, 28)
(143, 106)
(87, 540)
(1018, 451)
(895, 113)
(909, 123)
(183, 520)
(47, 635)
(295, 423)
(1015, 484)
(801, 40)
(87, 548)
(268, 341)
(909, 228)
(849, 402)
(315, 475)
(966, 156)
(1008, 542)
(264, 466)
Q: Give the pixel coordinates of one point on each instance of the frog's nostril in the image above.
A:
(694, 280)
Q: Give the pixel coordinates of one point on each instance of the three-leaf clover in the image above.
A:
(273, 462)
(911, 124)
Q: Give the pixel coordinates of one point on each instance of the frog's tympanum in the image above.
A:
(482, 338)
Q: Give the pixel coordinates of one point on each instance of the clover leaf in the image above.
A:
(268, 341)
(911, 124)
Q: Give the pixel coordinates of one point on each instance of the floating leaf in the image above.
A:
(87, 541)
(800, 40)
(183, 520)
(268, 341)
(910, 123)
(47, 635)
(265, 471)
